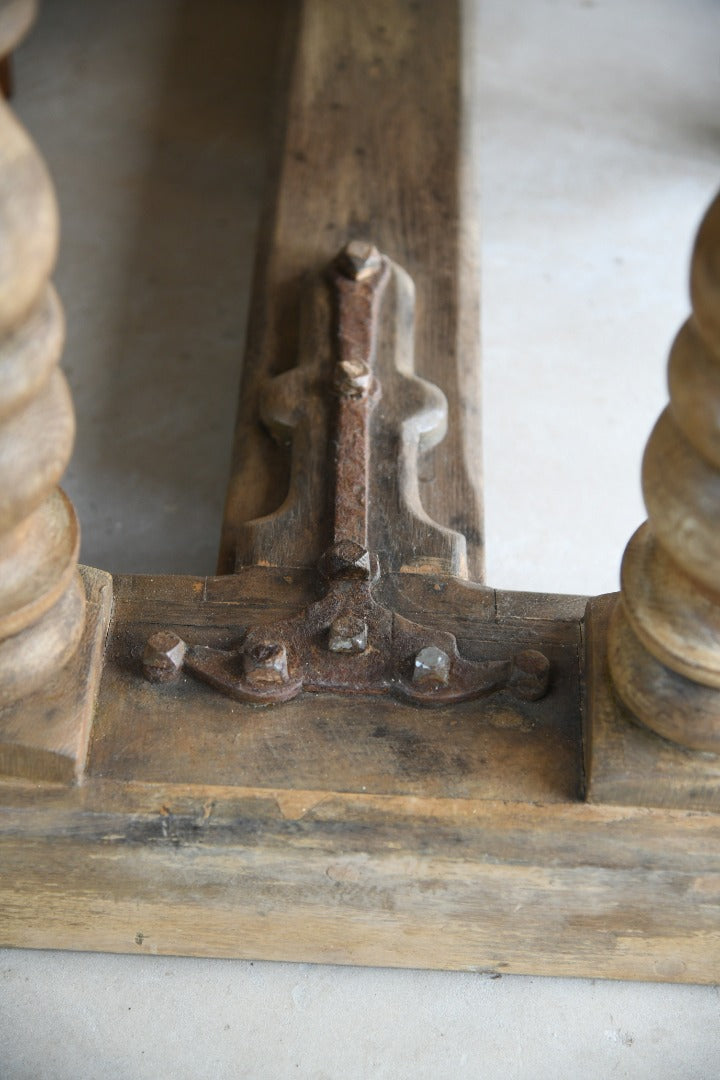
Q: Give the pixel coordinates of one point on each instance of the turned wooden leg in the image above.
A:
(41, 596)
(664, 636)
(16, 16)
(52, 618)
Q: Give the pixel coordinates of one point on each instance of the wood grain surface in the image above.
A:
(626, 761)
(371, 149)
(355, 832)
(499, 747)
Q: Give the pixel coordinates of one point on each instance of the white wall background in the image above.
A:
(598, 131)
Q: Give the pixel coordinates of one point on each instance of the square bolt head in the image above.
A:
(266, 662)
(347, 559)
(163, 657)
(359, 259)
(348, 634)
(431, 667)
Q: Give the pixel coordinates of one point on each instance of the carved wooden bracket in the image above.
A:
(347, 642)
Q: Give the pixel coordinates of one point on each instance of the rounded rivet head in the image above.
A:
(359, 259)
(530, 675)
(266, 662)
(431, 667)
(163, 656)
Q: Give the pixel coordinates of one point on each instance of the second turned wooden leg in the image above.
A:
(664, 643)
(652, 727)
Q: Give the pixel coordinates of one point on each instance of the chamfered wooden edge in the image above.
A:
(44, 737)
(625, 762)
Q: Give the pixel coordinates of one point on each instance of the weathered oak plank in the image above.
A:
(360, 878)
(500, 747)
(372, 148)
(352, 830)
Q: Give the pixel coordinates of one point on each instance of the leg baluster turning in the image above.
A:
(664, 640)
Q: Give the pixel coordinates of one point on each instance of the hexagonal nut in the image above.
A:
(359, 259)
(431, 667)
(530, 675)
(347, 559)
(163, 656)
(265, 663)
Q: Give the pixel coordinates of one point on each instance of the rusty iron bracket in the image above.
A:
(347, 642)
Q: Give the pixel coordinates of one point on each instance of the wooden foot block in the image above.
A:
(626, 763)
(45, 736)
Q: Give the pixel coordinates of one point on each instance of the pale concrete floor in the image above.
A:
(599, 124)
